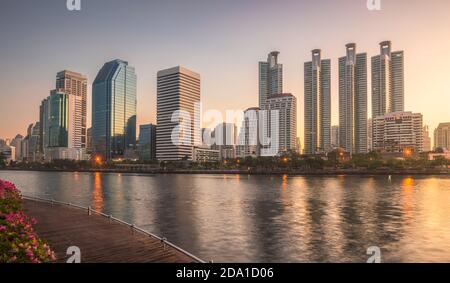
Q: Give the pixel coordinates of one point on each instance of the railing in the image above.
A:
(90, 211)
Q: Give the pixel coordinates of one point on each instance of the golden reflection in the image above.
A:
(98, 195)
(408, 195)
(284, 182)
(76, 176)
(408, 183)
(284, 195)
(238, 178)
(119, 178)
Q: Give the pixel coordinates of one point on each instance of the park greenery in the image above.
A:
(335, 160)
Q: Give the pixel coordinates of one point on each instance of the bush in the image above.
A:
(18, 241)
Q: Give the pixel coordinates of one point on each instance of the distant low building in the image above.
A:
(398, 132)
(64, 153)
(201, 154)
(17, 143)
(334, 137)
(426, 145)
(434, 155)
(8, 152)
(442, 136)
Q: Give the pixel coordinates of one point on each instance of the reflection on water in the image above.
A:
(269, 218)
(97, 194)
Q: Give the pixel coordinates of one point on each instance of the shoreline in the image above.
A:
(341, 172)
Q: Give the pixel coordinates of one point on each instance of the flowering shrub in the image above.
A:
(18, 241)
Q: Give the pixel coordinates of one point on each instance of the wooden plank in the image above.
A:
(99, 240)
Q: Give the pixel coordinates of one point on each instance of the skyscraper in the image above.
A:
(353, 101)
(442, 136)
(270, 78)
(59, 131)
(285, 104)
(75, 84)
(114, 110)
(147, 142)
(57, 120)
(387, 81)
(317, 104)
(178, 114)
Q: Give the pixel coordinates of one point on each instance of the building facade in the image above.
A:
(398, 131)
(317, 104)
(353, 101)
(334, 137)
(205, 155)
(270, 78)
(388, 90)
(147, 142)
(225, 140)
(442, 136)
(114, 110)
(426, 139)
(75, 84)
(249, 144)
(17, 143)
(285, 127)
(178, 114)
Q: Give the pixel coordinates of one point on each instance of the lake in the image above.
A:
(241, 218)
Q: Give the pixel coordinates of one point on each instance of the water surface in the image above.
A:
(240, 218)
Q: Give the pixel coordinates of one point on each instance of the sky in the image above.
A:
(222, 40)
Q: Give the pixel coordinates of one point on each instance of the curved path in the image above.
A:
(99, 239)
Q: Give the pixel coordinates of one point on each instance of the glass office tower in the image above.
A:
(114, 110)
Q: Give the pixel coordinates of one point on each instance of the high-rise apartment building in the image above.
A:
(317, 104)
(270, 78)
(59, 131)
(114, 110)
(353, 101)
(178, 114)
(285, 126)
(75, 84)
(442, 136)
(388, 90)
(397, 131)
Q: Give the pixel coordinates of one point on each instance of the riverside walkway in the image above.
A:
(101, 240)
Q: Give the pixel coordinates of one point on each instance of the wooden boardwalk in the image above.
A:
(99, 240)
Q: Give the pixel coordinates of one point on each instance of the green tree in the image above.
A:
(2, 160)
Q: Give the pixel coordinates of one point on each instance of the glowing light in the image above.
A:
(98, 160)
